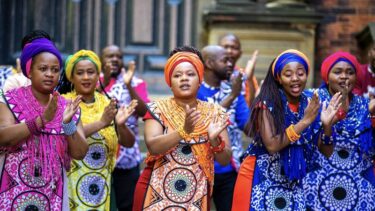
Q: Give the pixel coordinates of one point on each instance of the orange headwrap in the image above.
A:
(179, 57)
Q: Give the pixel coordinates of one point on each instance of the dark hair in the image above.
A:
(269, 93)
(186, 48)
(34, 35)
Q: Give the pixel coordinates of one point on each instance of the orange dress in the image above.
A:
(181, 178)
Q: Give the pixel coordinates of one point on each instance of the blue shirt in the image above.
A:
(239, 115)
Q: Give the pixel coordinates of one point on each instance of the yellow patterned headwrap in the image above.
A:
(72, 60)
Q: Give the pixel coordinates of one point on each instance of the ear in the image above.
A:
(209, 64)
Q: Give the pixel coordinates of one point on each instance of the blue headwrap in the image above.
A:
(286, 57)
(34, 48)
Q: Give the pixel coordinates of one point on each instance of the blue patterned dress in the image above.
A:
(277, 180)
(345, 181)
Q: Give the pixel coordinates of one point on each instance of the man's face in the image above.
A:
(232, 46)
(112, 60)
(223, 65)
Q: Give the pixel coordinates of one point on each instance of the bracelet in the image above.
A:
(219, 148)
(327, 140)
(33, 128)
(69, 128)
(291, 134)
(183, 134)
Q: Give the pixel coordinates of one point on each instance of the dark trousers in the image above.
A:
(223, 190)
(124, 181)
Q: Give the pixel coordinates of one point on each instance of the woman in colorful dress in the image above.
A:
(283, 123)
(39, 134)
(183, 136)
(343, 179)
(90, 178)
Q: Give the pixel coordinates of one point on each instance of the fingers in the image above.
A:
(131, 66)
(18, 65)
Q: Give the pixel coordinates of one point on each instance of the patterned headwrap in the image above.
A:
(34, 48)
(333, 59)
(286, 57)
(72, 60)
(180, 57)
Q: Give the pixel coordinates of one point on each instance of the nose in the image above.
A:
(85, 75)
(295, 77)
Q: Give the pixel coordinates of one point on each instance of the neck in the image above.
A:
(88, 98)
(40, 97)
(192, 102)
(211, 79)
(292, 100)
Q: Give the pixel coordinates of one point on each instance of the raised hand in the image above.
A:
(345, 97)
(71, 108)
(372, 106)
(312, 109)
(217, 125)
(328, 114)
(50, 111)
(128, 75)
(250, 66)
(236, 85)
(191, 119)
(125, 111)
(109, 113)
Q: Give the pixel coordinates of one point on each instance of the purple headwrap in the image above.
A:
(34, 48)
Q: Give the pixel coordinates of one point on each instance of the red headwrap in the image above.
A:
(331, 60)
(179, 57)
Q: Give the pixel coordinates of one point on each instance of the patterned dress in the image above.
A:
(263, 182)
(32, 173)
(90, 178)
(344, 181)
(181, 179)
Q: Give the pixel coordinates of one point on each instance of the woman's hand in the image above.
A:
(109, 113)
(312, 109)
(217, 125)
(51, 108)
(125, 112)
(191, 119)
(328, 115)
(71, 109)
(372, 106)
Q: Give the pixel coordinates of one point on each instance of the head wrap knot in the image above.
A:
(286, 57)
(34, 48)
(180, 57)
(333, 59)
(72, 60)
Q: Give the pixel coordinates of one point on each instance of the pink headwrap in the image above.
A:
(331, 60)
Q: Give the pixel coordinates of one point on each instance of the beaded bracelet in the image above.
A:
(327, 140)
(69, 128)
(292, 134)
(219, 148)
(33, 128)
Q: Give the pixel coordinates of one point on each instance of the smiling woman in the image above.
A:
(183, 136)
(283, 123)
(90, 180)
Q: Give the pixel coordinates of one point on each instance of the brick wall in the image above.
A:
(343, 19)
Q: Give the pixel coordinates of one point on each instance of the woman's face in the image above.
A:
(84, 77)
(293, 80)
(342, 76)
(45, 72)
(185, 81)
